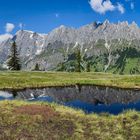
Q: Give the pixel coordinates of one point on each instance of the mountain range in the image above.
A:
(108, 47)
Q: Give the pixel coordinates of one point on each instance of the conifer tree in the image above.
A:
(88, 67)
(13, 62)
(79, 60)
(37, 67)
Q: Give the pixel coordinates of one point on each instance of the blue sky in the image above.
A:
(44, 15)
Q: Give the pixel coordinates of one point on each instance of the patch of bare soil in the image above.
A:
(45, 111)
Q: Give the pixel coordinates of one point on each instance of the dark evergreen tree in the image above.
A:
(13, 62)
(37, 67)
(78, 60)
(88, 67)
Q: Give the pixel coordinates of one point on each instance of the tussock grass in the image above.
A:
(31, 121)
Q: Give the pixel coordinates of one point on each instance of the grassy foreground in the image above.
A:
(42, 121)
(20, 80)
(45, 121)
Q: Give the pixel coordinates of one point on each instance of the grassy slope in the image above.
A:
(20, 80)
(41, 121)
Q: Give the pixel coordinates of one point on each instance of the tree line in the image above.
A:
(14, 63)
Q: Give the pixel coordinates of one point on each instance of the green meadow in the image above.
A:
(21, 80)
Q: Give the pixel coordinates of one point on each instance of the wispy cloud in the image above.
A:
(101, 6)
(21, 26)
(132, 6)
(9, 27)
(120, 8)
(57, 15)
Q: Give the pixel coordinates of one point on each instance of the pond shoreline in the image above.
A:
(69, 85)
(90, 98)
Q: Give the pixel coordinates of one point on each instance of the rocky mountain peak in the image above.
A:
(5, 37)
(62, 26)
(64, 39)
(124, 23)
(106, 22)
(20, 32)
(134, 25)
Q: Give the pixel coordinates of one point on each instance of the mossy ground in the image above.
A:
(42, 121)
(21, 80)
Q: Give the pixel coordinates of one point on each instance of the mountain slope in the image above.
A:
(107, 46)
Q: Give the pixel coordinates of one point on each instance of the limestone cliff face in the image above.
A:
(53, 48)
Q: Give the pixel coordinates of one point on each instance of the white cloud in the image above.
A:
(57, 15)
(102, 6)
(9, 27)
(20, 25)
(121, 8)
(132, 6)
(4, 37)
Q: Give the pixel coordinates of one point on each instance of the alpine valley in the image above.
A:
(107, 47)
